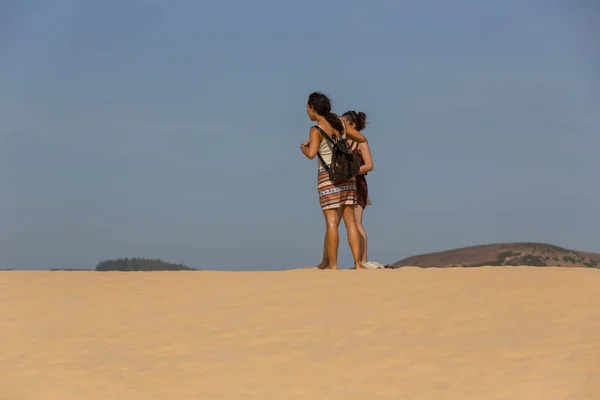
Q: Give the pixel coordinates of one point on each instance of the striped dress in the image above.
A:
(333, 196)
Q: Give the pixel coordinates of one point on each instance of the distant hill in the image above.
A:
(504, 254)
(69, 269)
(140, 264)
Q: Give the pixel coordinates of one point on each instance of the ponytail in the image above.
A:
(335, 122)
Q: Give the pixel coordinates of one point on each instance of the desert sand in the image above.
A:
(439, 334)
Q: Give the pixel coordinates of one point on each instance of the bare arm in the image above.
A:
(311, 146)
(354, 134)
(365, 151)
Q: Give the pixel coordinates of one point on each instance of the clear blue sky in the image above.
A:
(172, 129)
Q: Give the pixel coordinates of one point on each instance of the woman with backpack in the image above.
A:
(338, 199)
(358, 120)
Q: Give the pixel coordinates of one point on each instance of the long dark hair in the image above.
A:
(359, 119)
(322, 105)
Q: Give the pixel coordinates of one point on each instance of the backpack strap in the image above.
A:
(326, 136)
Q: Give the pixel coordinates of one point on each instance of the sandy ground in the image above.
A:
(478, 333)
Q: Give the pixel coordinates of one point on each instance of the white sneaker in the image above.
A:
(373, 265)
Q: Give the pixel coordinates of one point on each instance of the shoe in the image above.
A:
(373, 265)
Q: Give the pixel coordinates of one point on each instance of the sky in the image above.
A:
(171, 130)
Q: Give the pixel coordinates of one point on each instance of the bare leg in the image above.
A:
(332, 237)
(325, 259)
(353, 234)
(358, 213)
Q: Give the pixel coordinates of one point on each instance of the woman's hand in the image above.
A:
(310, 147)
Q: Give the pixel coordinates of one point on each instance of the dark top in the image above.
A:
(362, 189)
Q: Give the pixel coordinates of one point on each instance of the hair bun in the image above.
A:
(361, 121)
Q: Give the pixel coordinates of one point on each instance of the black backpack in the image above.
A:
(344, 163)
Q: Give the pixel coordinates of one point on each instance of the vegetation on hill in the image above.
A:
(504, 254)
(140, 264)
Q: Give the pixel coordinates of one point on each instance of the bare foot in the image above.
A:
(328, 267)
(322, 266)
(359, 266)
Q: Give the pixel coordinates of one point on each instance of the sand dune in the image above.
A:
(439, 334)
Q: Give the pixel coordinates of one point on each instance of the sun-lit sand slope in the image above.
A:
(478, 333)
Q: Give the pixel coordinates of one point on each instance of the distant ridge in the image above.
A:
(504, 254)
(140, 264)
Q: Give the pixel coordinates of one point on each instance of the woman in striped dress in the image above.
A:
(336, 199)
(358, 120)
